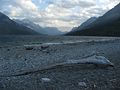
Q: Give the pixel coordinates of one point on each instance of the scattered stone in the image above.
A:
(44, 47)
(45, 80)
(25, 59)
(8, 49)
(45, 51)
(82, 84)
(18, 56)
(29, 48)
(94, 86)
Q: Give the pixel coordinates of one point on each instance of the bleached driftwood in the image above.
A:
(95, 60)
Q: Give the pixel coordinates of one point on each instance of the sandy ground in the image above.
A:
(17, 57)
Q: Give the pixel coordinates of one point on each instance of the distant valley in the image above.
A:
(38, 28)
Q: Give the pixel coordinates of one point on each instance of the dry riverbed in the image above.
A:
(21, 60)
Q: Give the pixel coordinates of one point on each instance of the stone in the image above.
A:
(8, 49)
(44, 47)
(45, 79)
(29, 48)
(82, 84)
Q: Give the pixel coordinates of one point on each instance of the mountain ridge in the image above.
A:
(9, 27)
(38, 28)
(106, 25)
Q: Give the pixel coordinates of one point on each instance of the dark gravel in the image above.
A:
(15, 59)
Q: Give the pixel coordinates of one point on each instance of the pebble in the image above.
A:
(82, 84)
(8, 49)
(45, 79)
(29, 48)
(44, 47)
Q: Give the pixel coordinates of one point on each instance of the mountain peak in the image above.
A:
(9, 27)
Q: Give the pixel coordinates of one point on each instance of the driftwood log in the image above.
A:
(95, 60)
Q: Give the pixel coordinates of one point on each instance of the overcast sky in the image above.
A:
(63, 14)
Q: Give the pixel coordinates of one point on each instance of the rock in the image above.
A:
(25, 59)
(29, 48)
(44, 47)
(82, 84)
(18, 56)
(45, 79)
(94, 86)
(8, 49)
(45, 51)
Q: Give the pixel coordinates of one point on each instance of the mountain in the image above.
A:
(84, 25)
(38, 28)
(106, 25)
(87, 23)
(9, 27)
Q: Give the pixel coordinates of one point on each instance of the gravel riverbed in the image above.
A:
(21, 54)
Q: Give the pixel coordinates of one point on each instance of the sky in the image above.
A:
(63, 14)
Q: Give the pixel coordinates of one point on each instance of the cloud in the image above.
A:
(22, 8)
(63, 14)
(73, 3)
